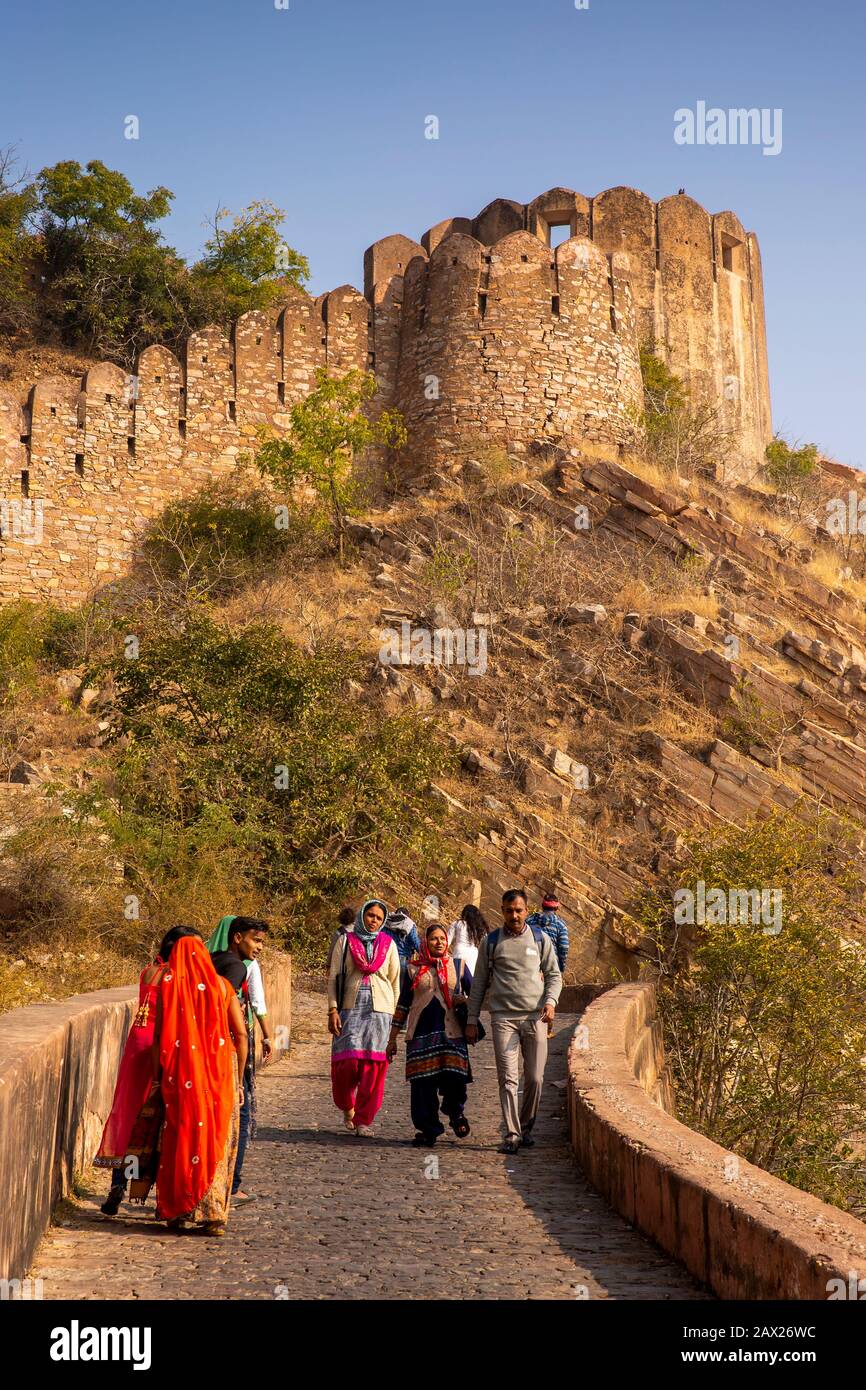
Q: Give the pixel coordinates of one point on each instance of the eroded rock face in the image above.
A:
(776, 662)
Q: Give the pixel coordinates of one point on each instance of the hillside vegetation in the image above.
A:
(662, 680)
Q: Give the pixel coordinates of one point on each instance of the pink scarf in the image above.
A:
(359, 955)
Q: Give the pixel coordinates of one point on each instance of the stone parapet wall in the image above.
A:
(82, 471)
(483, 334)
(742, 1232)
(58, 1067)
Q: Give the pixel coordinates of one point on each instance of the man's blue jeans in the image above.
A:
(244, 1134)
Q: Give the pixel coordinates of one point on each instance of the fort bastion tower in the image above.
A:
(482, 333)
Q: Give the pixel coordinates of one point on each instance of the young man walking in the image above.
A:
(549, 920)
(242, 939)
(517, 966)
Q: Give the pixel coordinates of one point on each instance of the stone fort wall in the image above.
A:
(481, 334)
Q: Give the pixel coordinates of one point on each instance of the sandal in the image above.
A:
(424, 1141)
(460, 1125)
(214, 1228)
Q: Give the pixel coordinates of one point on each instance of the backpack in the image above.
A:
(495, 936)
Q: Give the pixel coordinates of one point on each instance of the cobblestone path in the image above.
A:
(342, 1217)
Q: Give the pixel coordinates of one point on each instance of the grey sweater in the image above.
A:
(519, 981)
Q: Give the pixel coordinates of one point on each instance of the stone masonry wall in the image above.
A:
(695, 280)
(515, 345)
(744, 1233)
(481, 334)
(58, 1067)
(81, 472)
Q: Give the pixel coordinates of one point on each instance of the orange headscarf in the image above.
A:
(198, 1078)
(433, 965)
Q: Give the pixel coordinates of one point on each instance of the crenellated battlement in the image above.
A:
(515, 343)
(695, 277)
(482, 332)
(83, 469)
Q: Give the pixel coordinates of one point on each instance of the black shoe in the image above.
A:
(527, 1140)
(460, 1125)
(510, 1146)
(111, 1205)
(424, 1141)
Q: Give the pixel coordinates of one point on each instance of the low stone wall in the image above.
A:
(58, 1066)
(746, 1236)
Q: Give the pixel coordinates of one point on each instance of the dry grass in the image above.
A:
(72, 966)
(637, 597)
(826, 567)
(322, 603)
(665, 479)
(681, 721)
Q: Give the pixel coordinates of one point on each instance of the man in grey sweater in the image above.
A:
(518, 967)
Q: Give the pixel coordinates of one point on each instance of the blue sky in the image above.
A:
(320, 108)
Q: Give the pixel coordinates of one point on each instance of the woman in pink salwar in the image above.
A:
(135, 1077)
(363, 984)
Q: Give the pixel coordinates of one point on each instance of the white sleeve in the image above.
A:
(256, 988)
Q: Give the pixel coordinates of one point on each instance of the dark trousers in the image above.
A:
(118, 1177)
(424, 1094)
(243, 1135)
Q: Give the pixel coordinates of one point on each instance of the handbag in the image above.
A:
(340, 984)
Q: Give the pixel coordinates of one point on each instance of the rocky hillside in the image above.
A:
(679, 662)
(644, 655)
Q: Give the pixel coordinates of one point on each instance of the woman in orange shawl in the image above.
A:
(199, 1052)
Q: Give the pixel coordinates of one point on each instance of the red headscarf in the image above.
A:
(427, 964)
(198, 1079)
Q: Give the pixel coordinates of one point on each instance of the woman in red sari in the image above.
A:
(135, 1077)
(199, 1055)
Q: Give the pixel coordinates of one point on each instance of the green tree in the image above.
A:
(246, 264)
(766, 1030)
(678, 435)
(243, 742)
(329, 428)
(112, 285)
(17, 249)
(793, 471)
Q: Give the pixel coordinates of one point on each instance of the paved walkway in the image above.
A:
(341, 1217)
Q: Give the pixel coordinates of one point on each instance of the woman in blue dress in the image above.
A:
(437, 1055)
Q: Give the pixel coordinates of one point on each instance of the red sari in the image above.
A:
(199, 1081)
(134, 1079)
